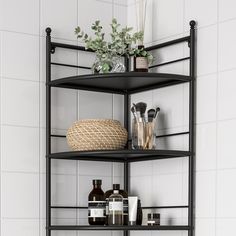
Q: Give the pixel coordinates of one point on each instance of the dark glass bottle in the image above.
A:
(124, 194)
(96, 204)
(139, 219)
(140, 62)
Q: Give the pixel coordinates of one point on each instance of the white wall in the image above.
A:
(22, 72)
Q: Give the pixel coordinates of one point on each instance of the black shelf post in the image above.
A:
(191, 129)
(48, 132)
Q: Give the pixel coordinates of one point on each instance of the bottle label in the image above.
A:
(116, 206)
(141, 63)
(125, 206)
(96, 209)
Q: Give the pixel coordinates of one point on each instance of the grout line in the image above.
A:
(217, 98)
(1, 134)
(20, 79)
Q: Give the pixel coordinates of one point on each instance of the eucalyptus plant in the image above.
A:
(120, 44)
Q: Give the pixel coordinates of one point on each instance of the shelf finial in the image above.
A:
(192, 24)
(48, 31)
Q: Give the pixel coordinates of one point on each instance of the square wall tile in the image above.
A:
(227, 9)
(141, 186)
(205, 194)
(98, 10)
(225, 226)
(26, 227)
(95, 105)
(204, 12)
(120, 13)
(227, 47)
(20, 149)
(167, 190)
(20, 56)
(63, 20)
(20, 102)
(207, 50)
(206, 98)
(118, 108)
(226, 144)
(226, 94)
(64, 190)
(206, 140)
(20, 16)
(95, 168)
(170, 101)
(64, 108)
(146, 167)
(226, 194)
(20, 195)
(167, 166)
(174, 18)
(205, 227)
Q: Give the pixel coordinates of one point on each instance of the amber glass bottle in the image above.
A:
(96, 204)
(140, 62)
(124, 194)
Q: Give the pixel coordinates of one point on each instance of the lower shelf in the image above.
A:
(130, 228)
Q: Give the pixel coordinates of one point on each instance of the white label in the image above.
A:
(141, 63)
(115, 206)
(96, 213)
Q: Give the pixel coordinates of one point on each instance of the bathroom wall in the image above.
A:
(22, 72)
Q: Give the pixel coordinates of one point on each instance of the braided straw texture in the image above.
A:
(96, 134)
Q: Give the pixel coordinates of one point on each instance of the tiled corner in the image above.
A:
(205, 227)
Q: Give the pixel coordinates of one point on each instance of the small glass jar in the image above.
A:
(153, 219)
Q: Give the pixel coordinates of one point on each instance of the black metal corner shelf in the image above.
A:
(120, 155)
(121, 83)
(126, 83)
(128, 228)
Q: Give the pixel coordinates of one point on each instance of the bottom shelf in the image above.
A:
(141, 227)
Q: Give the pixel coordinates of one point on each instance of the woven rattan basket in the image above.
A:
(96, 134)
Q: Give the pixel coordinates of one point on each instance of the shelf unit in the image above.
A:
(126, 84)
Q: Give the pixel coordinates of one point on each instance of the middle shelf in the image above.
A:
(120, 155)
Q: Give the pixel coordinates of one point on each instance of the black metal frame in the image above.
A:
(125, 156)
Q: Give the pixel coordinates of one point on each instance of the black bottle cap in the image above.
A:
(97, 182)
(116, 187)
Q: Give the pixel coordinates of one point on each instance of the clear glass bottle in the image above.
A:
(124, 194)
(115, 209)
(96, 204)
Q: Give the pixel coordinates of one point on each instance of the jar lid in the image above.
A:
(97, 182)
(116, 187)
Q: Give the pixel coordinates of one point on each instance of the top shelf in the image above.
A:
(120, 83)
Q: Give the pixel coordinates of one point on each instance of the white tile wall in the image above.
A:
(22, 66)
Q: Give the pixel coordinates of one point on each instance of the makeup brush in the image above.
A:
(151, 113)
(133, 110)
(141, 106)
